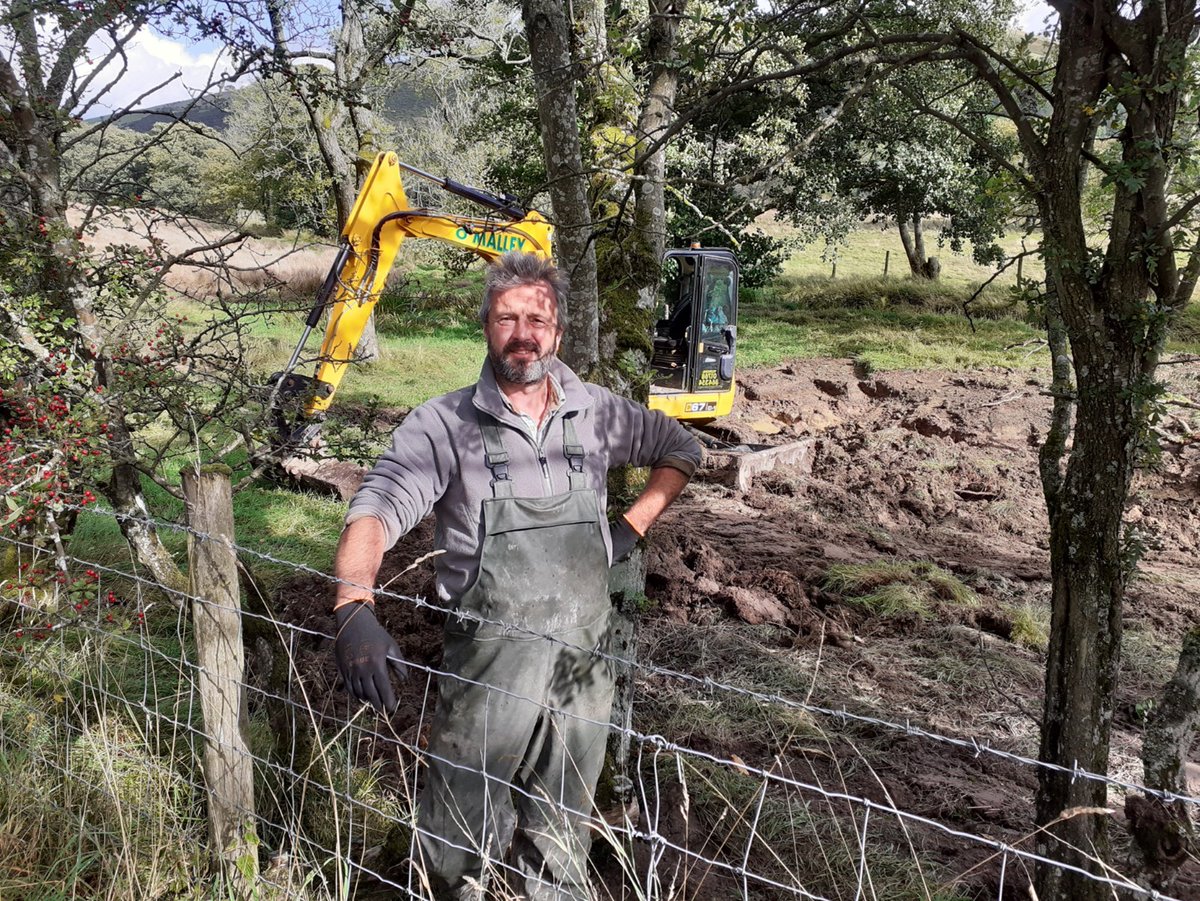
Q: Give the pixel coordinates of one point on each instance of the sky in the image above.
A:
(1034, 17)
(154, 58)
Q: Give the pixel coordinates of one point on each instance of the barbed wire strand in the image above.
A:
(662, 744)
(976, 747)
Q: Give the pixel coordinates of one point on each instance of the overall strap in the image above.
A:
(573, 451)
(496, 459)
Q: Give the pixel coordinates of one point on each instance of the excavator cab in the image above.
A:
(695, 337)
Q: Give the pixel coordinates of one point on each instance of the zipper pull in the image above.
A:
(545, 466)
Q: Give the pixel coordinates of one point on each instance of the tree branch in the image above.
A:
(931, 40)
(978, 140)
(1030, 142)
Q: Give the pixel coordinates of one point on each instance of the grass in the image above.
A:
(893, 588)
(789, 834)
(736, 654)
(884, 325)
(793, 837)
(863, 253)
(1030, 626)
(91, 804)
(101, 790)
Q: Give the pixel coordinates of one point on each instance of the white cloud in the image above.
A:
(1033, 17)
(183, 69)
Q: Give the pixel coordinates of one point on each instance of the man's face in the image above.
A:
(522, 333)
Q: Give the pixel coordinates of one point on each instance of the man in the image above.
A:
(515, 469)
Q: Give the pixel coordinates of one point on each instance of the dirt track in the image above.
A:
(911, 466)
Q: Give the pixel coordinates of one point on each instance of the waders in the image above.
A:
(521, 716)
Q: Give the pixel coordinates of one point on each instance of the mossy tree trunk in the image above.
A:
(555, 76)
(632, 258)
(1164, 832)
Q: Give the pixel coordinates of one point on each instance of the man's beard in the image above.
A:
(521, 372)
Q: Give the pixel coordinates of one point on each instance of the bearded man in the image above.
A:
(515, 469)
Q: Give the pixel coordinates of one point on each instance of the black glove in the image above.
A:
(624, 539)
(364, 650)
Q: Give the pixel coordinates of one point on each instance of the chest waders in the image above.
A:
(520, 715)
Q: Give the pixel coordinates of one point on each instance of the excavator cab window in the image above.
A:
(696, 330)
(673, 331)
(716, 323)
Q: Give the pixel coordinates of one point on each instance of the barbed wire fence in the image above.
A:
(300, 793)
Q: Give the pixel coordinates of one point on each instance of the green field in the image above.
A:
(867, 250)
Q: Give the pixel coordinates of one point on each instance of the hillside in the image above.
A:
(404, 101)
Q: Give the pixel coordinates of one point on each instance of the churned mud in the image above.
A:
(922, 468)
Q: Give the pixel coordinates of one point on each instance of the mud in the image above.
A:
(938, 467)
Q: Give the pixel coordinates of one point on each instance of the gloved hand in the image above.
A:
(624, 539)
(364, 651)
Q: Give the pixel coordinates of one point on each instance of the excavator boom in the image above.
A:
(692, 376)
(378, 224)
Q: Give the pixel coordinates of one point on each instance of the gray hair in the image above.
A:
(513, 270)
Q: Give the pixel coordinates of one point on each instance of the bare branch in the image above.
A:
(980, 59)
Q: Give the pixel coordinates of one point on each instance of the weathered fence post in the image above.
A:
(887, 259)
(217, 628)
(833, 274)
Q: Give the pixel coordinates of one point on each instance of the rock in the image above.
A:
(766, 426)
(757, 607)
(325, 476)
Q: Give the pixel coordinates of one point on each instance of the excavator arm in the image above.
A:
(379, 223)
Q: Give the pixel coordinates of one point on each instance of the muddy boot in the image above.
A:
(540, 883)
(467, 889)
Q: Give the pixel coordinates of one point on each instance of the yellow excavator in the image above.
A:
(693, 362)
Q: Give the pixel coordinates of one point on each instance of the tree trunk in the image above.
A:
(650, 226)
(590, 49)
(1088, 578)
(908, 240)
(912, 236)
(1114, 354)
(554, 77)
(1164, 832)
(1172, 726)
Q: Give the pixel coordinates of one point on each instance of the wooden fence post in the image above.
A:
(887, 258)
(217, 628)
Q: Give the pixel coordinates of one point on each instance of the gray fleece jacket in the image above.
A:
(436, 462)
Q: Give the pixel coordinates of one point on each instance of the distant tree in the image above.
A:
(353, 59)
(106, 166)
(184, 171)
(903, 167)
(276, 169)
